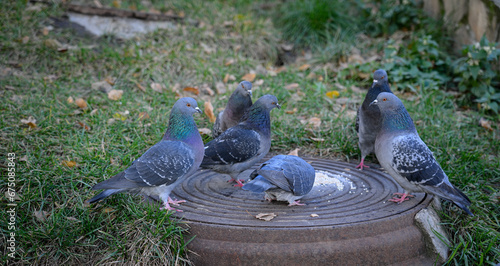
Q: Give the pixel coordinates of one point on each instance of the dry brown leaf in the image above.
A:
(205, 131)
(291, 111)
(83, 125)
(192, 90)
(292, 86)
(143, 116)
(45, 31)
(12, 196)
(31, 122)
(94, 112)
(41, 215)
(220, 87)
(69, 164)
(209, 111)
(229, 62)
(258, 82)
(81, 103)
(318, 139)
(250, 77)
(53, 44)
(24, 158)
(25, 39)
(115, 95)
(314, 121)
(73, 219)
(485, 124)
(140, 87)
(280, 69)
(158, 87)
(108, 210)
(294, 152)
(207, 90)
(70, 100)
(265, 216)
(311, 75)
(110, 80)
(228, 77)
(314, 215)
(304, 67)
(176, 88)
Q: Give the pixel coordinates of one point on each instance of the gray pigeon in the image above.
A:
(368, 116)
(238, 103)
(164, 165)
(243, 145)
(407, 159)
(283, 178)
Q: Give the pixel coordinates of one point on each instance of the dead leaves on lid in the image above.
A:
(265, 216)
(209, 111)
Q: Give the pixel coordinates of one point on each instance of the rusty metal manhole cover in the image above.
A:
(347, 220)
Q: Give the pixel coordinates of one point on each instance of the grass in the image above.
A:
(36, 80)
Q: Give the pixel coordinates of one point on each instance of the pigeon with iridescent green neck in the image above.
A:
(407, 159)
(242, 146)
(238, 103)
(368, 116)
(166, 164)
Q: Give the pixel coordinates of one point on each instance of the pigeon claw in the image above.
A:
(402, 197)
(240, 184)
(362, 165)
(167, 207)
(175, 202)
(296, 203)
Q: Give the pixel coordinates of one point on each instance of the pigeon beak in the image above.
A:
(374, 102)
(197, 110)
(375, 81)
(250, 93)
(277, 105)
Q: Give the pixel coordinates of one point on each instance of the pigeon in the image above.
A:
(238, 103)
(164, 165)
(368, 116)
(407, 159)
(283, 178)
(243, 145)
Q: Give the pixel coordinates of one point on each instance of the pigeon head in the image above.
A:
(380, 76)
(259, 113)
(393, 112)
(181, 124)
(267, 102)
(245, 88)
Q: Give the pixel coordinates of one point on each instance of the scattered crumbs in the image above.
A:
(314, 215)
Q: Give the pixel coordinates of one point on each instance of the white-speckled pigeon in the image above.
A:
(243, 145)
(407, 159)
(283, 178)
(368, 116)
(164, 165)
(238, 103)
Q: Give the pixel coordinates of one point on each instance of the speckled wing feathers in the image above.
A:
(238, 144)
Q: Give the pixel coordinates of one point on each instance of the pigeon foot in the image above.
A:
(175, 202)
(296, 203)
(402, 197)
(362, 165)
(167, 207)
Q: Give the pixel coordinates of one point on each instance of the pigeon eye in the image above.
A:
(188, 104)
(385, 99)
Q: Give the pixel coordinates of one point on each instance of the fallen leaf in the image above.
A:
(69, 164)
(207, 48)
(292, 86)
(24, 158)
(207, 90)
(193, 90)
(103, 86)
(31, 122)
(318, 139)
(158, 87)
(250, 77)
(258, 82)
(304, 67)
(209, 111)
(265, 216)
(73, 219)
(332, 94)
(228, 77)
(110, 80)
(143, 116)
(485, 124)
(229, 62)
(311, 75)
(294, 152)
(25, 39)
(115, 95)
(81, 103)
(12, 196)
(140, 87)
(108, 210)
(83, 125)
(291, 111)
(50, 78)
(94, 112)
(313, 121)
(205, 131)
(280, 69)
(51, 43)
(121, 115)
(70, 100)
(314, 215)
(45, 31)
(41, 215)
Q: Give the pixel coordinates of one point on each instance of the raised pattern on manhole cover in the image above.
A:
(342, 194)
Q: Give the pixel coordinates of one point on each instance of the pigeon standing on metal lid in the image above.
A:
(164, 165)
(243, 145)
(238, 103)
(283, 178)
(407, 159)
(368, 116)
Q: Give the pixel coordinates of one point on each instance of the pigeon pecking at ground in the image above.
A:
(368, 116)
(283, 178)
(238, 103)
(164, 165)
(243, 145)
(407, 159)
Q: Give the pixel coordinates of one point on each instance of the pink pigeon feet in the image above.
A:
(402, 197)
(362, 165)
(174, 202)
(296, 203)
(239, 181)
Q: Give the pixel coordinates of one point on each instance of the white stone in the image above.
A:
(478, 18)
(436, 239)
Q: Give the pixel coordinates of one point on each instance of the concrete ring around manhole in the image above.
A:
(347, 220)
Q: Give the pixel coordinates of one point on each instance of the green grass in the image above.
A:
(36, 80)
